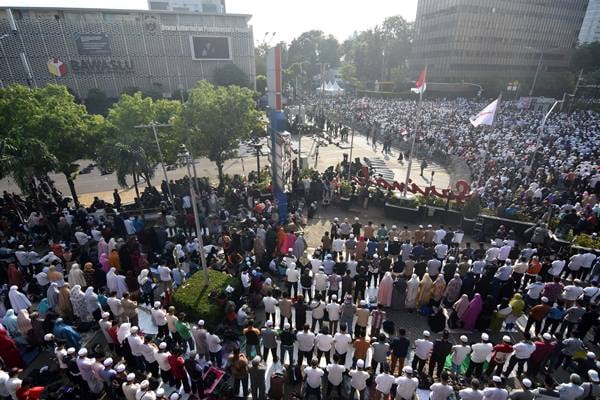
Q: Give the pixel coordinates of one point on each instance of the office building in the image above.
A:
(483, 40)
(590, 29)
(112, 50)
(202, 6)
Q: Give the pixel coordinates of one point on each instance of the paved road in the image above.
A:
(95, 184)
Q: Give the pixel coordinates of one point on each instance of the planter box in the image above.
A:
(491, 224)
(345, 203)
(407, 214)
(442, 216)
(468, 225)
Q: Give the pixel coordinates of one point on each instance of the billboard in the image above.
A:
(93, 44)
(210, 47)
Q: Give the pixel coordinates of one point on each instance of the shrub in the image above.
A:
(472, 207)
(345, 188)
(200, 302)
(587, 241)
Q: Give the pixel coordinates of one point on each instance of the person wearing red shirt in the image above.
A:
(541, 354)
(28, 391)
(552, 290)
(499, 356)
(178, 371)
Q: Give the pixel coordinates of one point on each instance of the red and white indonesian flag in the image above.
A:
(421, 83)
(485, 116)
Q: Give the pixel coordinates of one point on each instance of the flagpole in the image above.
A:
(412, 145)
(487, 146)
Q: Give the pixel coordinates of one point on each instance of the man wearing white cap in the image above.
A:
(105, 324)
(200, 335)
(130, 387)
(441, 390)
(162, 358)
(541, 355)
(524, 393)
(406, 385)
(257, 373)
(479, 355)
(159, 317)
(335, 377)
(460, 353)
(333, 313)
(591, 389)
(292, 277)
(423, 348)
(269, 340)
(358, 380)
(522, 351)
(496, 391)
(499, 356)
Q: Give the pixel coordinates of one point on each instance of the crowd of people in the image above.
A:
(516, 169)
(504, 319)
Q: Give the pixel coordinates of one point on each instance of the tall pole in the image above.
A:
(351, 148)
(539, 135)
(535, 77)
(489, 140)
(154, 125)
(412, 144)
(197, 220)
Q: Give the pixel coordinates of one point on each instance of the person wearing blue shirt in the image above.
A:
(67, 333)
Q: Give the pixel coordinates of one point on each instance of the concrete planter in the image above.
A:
(407, 214)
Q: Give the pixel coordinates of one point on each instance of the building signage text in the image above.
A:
(101, 66)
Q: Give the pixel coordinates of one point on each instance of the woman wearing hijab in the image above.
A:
(439, 286)
(24, 323)
(64, 307)
(452, 291)
(114, 260)
(104, 262)
(9, 321)
(52, 296)
(9, 351)
(67, 333)
(503, 310)
(76, 276)
(399, 293)
(458, 309)
(483, 322)
(88, 274)
(18, 301)
(299, 246)
(123, 333)
(111, 280)
(437, 320)
(385, 289)
(425, 288)
(517, 306)
(55, 276)
(470, 315)
(412, 291)
(281, 241)
(99, 277)
(91, 303)
(102, 247)
(79, 305)
(15, 277)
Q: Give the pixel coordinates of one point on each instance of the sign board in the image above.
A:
(93, 44)
(102, 66)
(274, 78)
(210, 47)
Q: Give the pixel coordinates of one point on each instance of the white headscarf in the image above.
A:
(112, 280)
(123, 332)
(141, 277)
(91, 300)
(76, 276)
(18, 300)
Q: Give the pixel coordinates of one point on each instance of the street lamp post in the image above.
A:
(185, 155)
(154, 125)
(540, 132)
(257, 147)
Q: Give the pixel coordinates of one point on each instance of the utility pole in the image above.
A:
(185, 155)
(154, 125)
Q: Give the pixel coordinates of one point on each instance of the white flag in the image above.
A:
(485, 116)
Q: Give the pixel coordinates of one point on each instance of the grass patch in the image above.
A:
(204, 302)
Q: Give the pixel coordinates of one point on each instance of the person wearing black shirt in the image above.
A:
(449, 269)
(399, 348)
(287, 338)
(360, 285)
(394, 248)
(441, 348)
(300, 309)
(420, 269)
(356, 227)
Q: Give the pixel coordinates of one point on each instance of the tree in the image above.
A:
(231, 74)
(261, 84)
(130, 150)
(312, 49)
(69, 132)
(348, 72)
(587, 57)
(96, 102)
(217, 119)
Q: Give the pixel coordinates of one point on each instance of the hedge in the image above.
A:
(200, 302)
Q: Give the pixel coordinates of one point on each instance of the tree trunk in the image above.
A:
(71, 184)
(148, 183)
(220, 169)
(137, 193)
